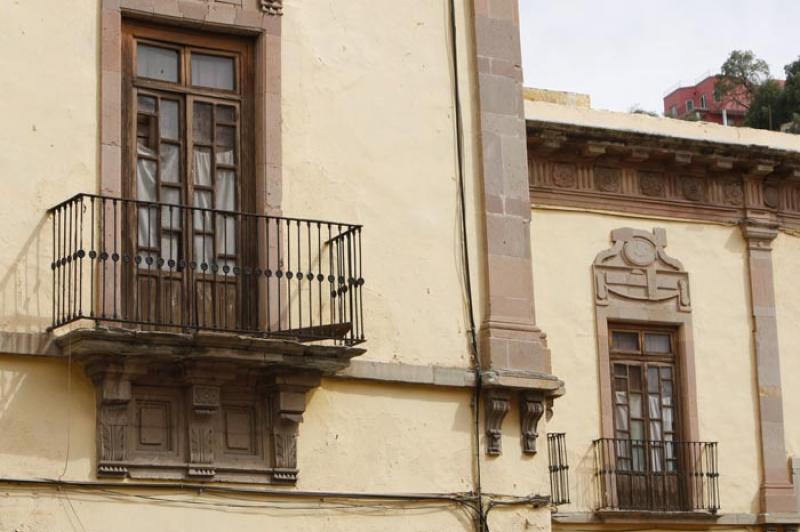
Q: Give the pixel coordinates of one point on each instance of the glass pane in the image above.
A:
(157, 63)
(202, 122)
(621, 420)
(657, 343)
(170, 247)
(636, 405)
(202, 219)
(652, 380)
(654, 403)
(226, 143)
(625, 341)
(657, 459)
(621, 398)
(655, 431)
(146, 135)
(213, 71)
(636, 377)
(638, 458)
(226, 235)
(170, 216)
(226, 113)
(203, 250)
(170, 163)
(147, 104)
(620, 370)
(148, 236)
(170, 119)
(668, 420)
(225, 190)
(146, 180)
(637, 430)
(201, 166)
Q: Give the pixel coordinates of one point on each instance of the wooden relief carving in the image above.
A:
(638, 268)
(531, 411)
(497, 406)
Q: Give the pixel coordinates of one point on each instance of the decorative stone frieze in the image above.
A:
(202, 406)
(661, 176)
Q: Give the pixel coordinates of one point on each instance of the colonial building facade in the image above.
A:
(320, 266)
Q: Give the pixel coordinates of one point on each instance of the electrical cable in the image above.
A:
(476, 395)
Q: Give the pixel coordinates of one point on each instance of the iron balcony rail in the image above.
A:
(558, 467)
(157, 266)
(657, 476)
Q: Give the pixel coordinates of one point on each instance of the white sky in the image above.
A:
(629, 52)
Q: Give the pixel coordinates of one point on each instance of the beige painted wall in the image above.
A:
(368, 137)
(49, 137)
(786, 259)
(565, 244)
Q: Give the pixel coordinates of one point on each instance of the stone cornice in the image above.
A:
(613, 170)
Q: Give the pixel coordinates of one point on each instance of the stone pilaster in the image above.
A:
(777, 491)
(509, 337)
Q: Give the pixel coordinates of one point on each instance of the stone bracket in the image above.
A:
(531, 409)
(498, 404)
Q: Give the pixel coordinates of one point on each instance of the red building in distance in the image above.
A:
(699, 101)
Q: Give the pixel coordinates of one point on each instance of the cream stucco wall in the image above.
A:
(565, 244)
(786, 259)
(48, 135)
(368, 136)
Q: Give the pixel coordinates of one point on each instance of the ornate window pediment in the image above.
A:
(637, 268)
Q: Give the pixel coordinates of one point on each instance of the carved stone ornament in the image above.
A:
(272, 7)
(216, 407)
(638, 268)
(497, 406)
(693, 188)
(565, 175)
(607, 179)
(652, 184)
(531, 411)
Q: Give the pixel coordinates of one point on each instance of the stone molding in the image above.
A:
(636, 281)
(206, 406)
(607, 170)
(777, 494)
(509, 340)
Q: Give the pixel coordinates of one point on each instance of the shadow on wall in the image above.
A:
(26, 295)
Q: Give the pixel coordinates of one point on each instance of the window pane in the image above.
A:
(202, 167)
(621, 420)
(170, 247)
(636, 405)
(202, 219)
(637, 430)
(625, 341)
(146, 180)
(225, 190)
(147, 104)
(652, 380)
(157, 63)
(202, 123)
(226, 235)
(170, 119)
(226, 113)
(213, 71)
(226, 143)
(147, 227)
(657, 343)
(170, 163)
(203, 249)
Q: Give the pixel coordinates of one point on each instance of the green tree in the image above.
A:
(766, 107)
(741, 76)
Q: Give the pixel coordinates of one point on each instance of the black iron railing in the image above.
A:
(559, 468)
(158, 266)
(657, 476)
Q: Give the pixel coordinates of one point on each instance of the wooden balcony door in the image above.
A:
(648, 450)
(187, 134)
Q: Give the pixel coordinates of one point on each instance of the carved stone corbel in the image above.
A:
(272, 7)
(286, 397)
(113, 386)
(531, 410)
(205, 401)
(497, 406)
